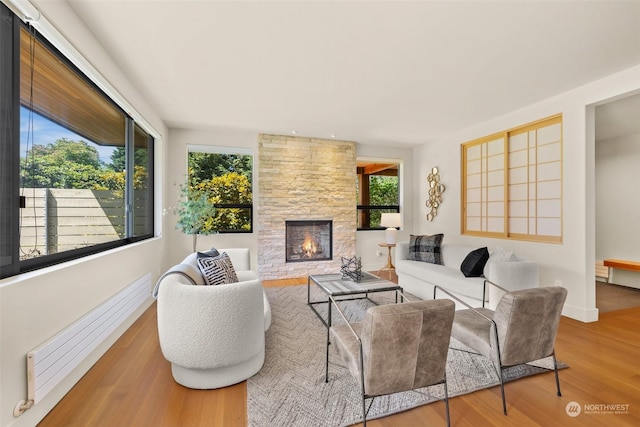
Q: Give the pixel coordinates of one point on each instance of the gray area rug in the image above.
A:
(290, 389)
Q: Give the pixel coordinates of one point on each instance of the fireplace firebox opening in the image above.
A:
(309, 240)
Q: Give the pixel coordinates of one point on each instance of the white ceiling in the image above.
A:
(374, 72)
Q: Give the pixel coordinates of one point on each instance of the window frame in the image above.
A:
(384, 208)
(10, 262)
(218, 149)
(503, 184)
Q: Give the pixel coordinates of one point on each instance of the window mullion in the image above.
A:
(129, 148)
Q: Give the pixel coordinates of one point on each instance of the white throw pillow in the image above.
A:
(499, 255)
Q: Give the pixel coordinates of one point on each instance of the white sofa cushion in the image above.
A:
(503, 268)
(497, 256)
(449, 278)
(453, 255)
(241, 259)
(206, 327)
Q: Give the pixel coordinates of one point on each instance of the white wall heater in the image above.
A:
(52, 361)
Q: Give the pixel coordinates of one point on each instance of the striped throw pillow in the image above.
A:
(217, 270)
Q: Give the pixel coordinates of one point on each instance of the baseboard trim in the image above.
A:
(581, 314)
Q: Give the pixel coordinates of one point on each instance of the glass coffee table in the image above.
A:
(335, 285)
(337, 289)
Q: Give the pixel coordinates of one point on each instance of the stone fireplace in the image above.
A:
(308, 240)
(303, 179)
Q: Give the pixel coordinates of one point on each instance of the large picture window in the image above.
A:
(80, 170)
(378, 191)
(225, 177)
(512, 183)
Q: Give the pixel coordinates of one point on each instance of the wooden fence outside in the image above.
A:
(57, 220)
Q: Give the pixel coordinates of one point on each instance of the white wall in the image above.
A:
(572, 262)
(618, 204)
(37, 305)
(181, 244)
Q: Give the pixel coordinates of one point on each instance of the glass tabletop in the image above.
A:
(335, 285)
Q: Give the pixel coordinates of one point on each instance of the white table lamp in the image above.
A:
(391, 221)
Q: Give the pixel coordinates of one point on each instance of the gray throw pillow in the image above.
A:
(217, 270)
(426, 248)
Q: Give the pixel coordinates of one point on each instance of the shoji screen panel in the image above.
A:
(483, 175)
(512, 183)
(535, 181)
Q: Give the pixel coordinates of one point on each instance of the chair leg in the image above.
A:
(446, 401)
(555, 369)
(326, 375)
(364, 411)
(504, 400)
(326, 366)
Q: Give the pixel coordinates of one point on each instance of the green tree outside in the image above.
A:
(383, 190)
(226, 180)
(77, 165)
(230, 188)
(62, 164)
(204, 166)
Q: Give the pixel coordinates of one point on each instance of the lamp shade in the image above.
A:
(391, 220)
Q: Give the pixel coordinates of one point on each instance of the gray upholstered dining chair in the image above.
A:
(397, 347)
(522, 328)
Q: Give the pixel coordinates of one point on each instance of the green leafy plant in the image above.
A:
(195, 213)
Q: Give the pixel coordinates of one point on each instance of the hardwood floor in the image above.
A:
(131, 385)
(611, 297)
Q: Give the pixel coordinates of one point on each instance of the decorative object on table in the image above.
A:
(392, 221)
(435, 193)
(195, 213)
(352, 268)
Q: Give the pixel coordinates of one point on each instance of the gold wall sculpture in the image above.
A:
(436, 188)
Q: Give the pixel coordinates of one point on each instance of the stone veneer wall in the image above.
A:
(304, 179)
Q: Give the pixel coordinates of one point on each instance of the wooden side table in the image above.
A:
(390, 267)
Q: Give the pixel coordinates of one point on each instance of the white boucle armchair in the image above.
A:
(212, 335)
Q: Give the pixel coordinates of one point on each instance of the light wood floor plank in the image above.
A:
(132, 385)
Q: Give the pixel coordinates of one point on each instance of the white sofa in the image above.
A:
(212, 335)
(503, 268)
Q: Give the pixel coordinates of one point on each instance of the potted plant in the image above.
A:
(195, 213)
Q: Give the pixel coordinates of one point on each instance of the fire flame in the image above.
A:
(309, 246)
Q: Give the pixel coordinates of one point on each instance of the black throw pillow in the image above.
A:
(473, 264)
(213, 252)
